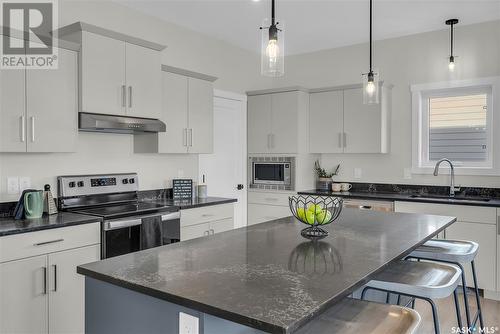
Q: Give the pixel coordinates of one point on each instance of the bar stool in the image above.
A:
(352, 316)
(420, 280)
(456, 252)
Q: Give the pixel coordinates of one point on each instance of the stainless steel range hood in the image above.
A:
(118, 124)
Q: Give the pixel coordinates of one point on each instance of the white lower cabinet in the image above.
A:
(265, 206)
(474, 223)
(43, 293)
(204, 221)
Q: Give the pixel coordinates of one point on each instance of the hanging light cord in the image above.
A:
(272, 13)
(451, 33)
(370, 36)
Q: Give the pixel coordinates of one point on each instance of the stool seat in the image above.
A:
(447, 250)
(424, 279)
(357, 316)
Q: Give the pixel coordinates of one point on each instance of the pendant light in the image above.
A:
(451, 64)
(370, 79)
(272, 49)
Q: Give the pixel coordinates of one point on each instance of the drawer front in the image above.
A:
(206, 214)
(464, 213)
(194, 231)
(222, 225)
(269, 198)
(260, 213)
(24, 245)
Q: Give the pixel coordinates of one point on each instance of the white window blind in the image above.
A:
(458, 128)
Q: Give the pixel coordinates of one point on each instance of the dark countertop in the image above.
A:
(267, 276)
(194, 203)
(458, 200)
(9, 226)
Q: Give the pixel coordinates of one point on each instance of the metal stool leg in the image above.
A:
(457, 308)
(388, 297)
(434, 315)
(466, 298)
(478, 300)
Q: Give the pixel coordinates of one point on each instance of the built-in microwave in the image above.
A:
(272, 173)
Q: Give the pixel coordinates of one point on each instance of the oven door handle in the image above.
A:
(117, 224)
(171, 216)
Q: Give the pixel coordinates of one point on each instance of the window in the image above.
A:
(454, 120)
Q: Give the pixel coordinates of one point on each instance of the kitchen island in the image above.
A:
(262, 278)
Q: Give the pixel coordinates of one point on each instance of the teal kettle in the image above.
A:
(33, 204)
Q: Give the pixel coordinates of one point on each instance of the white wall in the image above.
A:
(402, 61)
(237, 70)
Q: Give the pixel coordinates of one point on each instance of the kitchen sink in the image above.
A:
(459, 198)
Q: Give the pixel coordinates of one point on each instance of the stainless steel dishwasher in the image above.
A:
(367, 204)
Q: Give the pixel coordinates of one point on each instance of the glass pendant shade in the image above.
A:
(272, 49)
(371, 88)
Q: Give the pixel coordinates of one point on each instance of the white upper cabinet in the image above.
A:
(102, 75)
(200, 116)
(188, 112)
(52, 122)
(277, 122)
(341, 123)
(31, 118)
(326, 122)
(119, 74)
(143, 81)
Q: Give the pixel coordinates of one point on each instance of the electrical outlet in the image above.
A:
(358, 173)
(407, 173)
(24, 183)
(12, 185)
(188, 324)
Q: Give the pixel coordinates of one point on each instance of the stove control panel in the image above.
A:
(82, 185)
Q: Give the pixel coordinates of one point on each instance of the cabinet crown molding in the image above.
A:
(82, 26)
(188, 73)
(18, 34)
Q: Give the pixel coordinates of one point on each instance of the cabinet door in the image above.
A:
(194, 231)
(174, 114)
(200, 116)
(485, 236)
(259, 213)
(12, 109)
(284, 122)
(143, 77)
(326, 122)
(362, 124)
(221, 225)
(259, 123)
(103, 86)
(51, 103)
(23, 296)
(67, 289)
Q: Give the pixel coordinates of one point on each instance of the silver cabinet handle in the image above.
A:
(47, 242)
(271, 199)
(33, 129)
(272, 140)
(184, 137)
(207, 215)
(212, 231)
(130, 96)
(124, 96)
(345, 139)
(44, 280)
(55, 277)
(22, 120)
(206, 233)
(498, 225)
(191, 137)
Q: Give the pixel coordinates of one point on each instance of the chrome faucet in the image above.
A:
(452, 172)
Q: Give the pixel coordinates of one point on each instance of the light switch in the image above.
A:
(358, 173)
(188, 324)
(12, 185)
(24, 183)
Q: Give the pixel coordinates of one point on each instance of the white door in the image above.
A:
(362, 124)
(12, 113)
(285, 118)
(53, 122)
(143, 81)
(103, 85)
(225, 169)
(326, 122)
(200, 115)
(259, 123)
(23, 296)
(67, 289)
(174, 114)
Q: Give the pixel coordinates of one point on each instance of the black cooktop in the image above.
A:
(125, 209)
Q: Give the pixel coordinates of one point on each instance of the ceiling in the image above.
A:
(312, 25)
